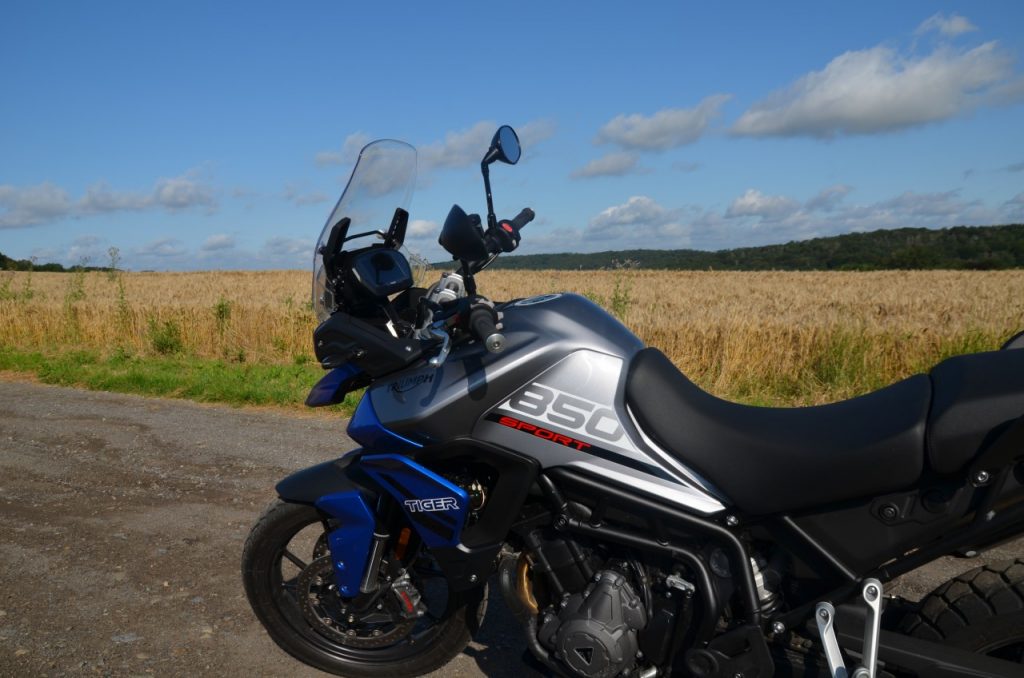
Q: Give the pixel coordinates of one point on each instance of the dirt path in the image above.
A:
(122, 521)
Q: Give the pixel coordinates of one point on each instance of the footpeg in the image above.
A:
(825, 616)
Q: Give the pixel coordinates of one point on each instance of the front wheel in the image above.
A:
(286, 569)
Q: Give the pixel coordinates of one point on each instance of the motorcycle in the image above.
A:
(634, 524)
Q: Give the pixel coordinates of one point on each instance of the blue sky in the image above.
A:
(194, 135)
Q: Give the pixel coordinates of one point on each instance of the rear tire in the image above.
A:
(280, 614)
(981, 610)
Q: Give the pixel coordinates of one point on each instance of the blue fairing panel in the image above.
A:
(365, 428)
(333, 386)
(436, 507)
(350, 542)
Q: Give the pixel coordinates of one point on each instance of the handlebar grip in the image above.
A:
(523, 218)
(482, 325)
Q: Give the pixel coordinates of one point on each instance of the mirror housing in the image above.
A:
(504, 147)
(462, 236)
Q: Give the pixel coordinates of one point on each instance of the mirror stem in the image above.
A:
(492, 221)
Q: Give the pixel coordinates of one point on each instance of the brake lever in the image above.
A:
(446, 347)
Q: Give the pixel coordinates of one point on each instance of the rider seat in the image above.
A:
(774, 460)
(977, 397)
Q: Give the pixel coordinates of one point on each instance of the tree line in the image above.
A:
(959, 247)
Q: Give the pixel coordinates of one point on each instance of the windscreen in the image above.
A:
(382, 180)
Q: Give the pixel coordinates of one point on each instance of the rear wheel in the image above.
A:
(981, 610)
(289, 582)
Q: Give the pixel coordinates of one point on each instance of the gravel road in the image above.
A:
(121, 527)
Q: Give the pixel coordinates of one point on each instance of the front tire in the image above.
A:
(286, 540)
(981, 610)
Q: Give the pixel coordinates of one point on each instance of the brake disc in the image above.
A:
(366, 621)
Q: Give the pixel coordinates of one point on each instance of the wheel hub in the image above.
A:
(373, 620)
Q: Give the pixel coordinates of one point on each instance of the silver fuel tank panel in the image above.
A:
(446, 402)
(556, 393)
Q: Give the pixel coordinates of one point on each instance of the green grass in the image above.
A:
(175, 377)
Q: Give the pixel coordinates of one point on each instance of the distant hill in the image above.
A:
(960, 247)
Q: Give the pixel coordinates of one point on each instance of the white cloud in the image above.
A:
(218, 241)
(754, 203)
(949, 26)
(183, 192)
(294, 194)
(665, 129)
(422, 228)
(611, 165)
(461, 148)
(162, 248)
(828, 199)
(32, 205)
(172, 194)
(880, 90)
(640, 221)
(1014, 208)
(45, 203)
(347, 155)
(534, 132)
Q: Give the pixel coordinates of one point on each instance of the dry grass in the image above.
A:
(762, 337)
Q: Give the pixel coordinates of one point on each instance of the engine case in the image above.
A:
(595, 633)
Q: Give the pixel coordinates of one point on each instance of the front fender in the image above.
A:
(309, 484)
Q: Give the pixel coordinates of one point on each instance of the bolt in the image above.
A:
(668, 594)
(872, 592)
(340, 565)
(823, 614)
(351, 619)
(376, 632)
(597, 577)
(732, 521)
(981, 477)
(778, 628)
(328, 621)
(344, 590)
(472, 578)
(380, 606)
(889, 512)
(737, 675)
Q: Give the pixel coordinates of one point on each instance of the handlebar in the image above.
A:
(504, 237)
(483, 326)
(522, 219)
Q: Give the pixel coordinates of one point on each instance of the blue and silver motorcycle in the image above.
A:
(634, 524)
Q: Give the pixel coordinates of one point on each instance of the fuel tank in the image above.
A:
(556, 394)
(433, 405)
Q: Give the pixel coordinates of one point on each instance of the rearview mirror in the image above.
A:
(504, 146)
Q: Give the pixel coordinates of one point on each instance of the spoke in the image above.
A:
(294, 559)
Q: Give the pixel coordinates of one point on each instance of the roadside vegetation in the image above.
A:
(771, 338)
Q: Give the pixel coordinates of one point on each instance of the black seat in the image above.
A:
(977, 397)
(772, 460)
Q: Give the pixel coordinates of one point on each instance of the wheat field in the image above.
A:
(765, 337)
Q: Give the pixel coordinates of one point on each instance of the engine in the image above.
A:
(594, 634)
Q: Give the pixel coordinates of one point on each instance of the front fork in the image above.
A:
(434, 506)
